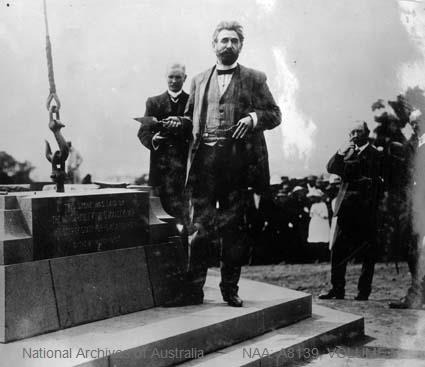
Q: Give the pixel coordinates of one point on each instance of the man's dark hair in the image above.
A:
(232, 25)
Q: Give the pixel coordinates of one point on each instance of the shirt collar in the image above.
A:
(226, 67)
(363, 147)
(175, 94)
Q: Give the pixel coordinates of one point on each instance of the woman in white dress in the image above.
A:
(318, 229)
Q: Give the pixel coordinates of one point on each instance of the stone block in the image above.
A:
(167, 266)
(8, 202)
(159, 231)
(82, 222)
(159, 211)
(16, 250)
(12, 224)
(101, 285)
(15, 239)
(27, 302)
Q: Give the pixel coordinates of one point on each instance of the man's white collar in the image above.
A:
(175, 94)
(226, 67)
(363, 147)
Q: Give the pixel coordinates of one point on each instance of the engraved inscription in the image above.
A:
(81, 224)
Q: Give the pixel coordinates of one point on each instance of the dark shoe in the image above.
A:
(406, 303)
(399, 305)
(233, 300)
(332, 294)
(361, 297)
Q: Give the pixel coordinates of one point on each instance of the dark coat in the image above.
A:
(358, 199)
(167, 170)
(172, 154)
(254, 96)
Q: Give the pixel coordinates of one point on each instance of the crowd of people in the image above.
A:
(293, 222)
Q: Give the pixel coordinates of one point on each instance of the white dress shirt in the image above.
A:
(362, 148)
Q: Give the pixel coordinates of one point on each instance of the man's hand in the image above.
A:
(172, 122)
(157, 139)
(344, 149)
(242, 127)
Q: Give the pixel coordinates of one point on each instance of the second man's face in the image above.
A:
(358, 135)
(227, 47)
(175, 80)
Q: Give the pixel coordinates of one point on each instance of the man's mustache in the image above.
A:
(227, 52)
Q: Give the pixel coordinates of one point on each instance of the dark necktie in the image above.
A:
(222, 72)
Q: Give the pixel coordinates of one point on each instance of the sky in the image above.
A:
(326, 61)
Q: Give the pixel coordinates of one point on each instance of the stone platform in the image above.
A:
(272, 317)
(72, 258)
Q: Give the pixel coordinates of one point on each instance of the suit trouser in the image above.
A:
(416, 291)
(218, 212)
(346, 247)
(406, 236)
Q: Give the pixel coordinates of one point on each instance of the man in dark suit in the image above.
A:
(163, 134)
(228, 109)
(356, 211)
(415, 238)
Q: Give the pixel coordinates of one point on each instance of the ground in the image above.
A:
(393, 337)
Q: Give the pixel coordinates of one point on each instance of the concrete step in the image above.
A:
(303, 341)
(165, 336)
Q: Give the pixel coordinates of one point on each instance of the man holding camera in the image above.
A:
(356, 210)
(163, 134)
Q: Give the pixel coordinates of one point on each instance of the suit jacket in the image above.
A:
(254, 96)
(358, 198)
(172, 153)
